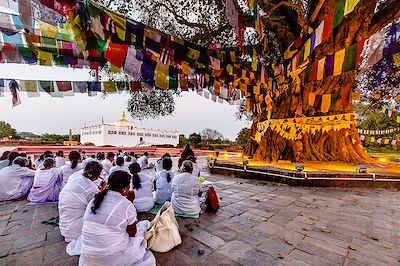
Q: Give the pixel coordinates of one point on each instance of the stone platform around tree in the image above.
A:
(258, 223)
(329, 174)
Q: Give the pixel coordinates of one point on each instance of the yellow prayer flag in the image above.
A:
(109, 86)
(396, 59)
(349, 6)
(48, 30)
(321, 69)
(311, 99)
(185, 68)
(338, 62)
(161, 76)
(193, 54)
(29, 85)
(120, 24)
(45, 56)
(326, 103)
(307, 49)
(256, 90)
(233, 56)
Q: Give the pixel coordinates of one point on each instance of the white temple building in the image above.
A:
(123, 133)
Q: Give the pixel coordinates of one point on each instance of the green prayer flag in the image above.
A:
(173, 78)
(350, 58)
(339, 13)
(47, 86)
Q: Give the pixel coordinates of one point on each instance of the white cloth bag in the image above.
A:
(163, 234)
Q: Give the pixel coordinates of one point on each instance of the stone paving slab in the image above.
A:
(258, 223)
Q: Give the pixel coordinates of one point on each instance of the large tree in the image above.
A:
(205, 22)
(6, 131)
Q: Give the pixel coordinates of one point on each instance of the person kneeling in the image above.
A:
(111, 234)
(186, 191)
(163, 182)
(74, 198)
(142, 185)
(47, 183)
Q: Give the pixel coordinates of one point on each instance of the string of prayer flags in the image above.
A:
(378, 131)
(294, 128)
(380, 140)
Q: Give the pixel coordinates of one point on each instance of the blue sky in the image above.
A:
(45, 114)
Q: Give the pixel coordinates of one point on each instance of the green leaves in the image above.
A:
(151, 104)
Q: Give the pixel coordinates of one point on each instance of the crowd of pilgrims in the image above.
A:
(99, 197)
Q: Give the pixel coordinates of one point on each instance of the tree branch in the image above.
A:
(300, 20)
(180, 19)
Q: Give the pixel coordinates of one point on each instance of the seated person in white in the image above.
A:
(111, 234)
(16, 180)
(119, 165)
(4, 162)
(196, 168)
(186, 191)
(46, 184)
(67, 170)
(73, 200)
(158, 167)
(60, 160)
(107, 164)
(142, 185)
(128, 161)
(163, 182)
(144, 161)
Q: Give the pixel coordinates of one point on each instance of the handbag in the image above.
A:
(163, 234)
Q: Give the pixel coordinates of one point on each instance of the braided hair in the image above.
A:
(117, 181)
(134, 169)
(167, 165)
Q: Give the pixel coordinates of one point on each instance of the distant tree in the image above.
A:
(195, 139)
(243, 137)
(371, 118)
(183, 140)
(28, 135)
(55, 137)
(6, 131)
(211, 135)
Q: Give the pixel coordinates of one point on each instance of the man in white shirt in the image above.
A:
(107, 164)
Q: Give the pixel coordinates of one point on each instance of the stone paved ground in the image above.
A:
(258, 224)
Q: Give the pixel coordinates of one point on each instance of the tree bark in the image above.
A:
(342, 145)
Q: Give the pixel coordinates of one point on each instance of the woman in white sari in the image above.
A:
(67, 170)
(186, 191)
(111, 234)
(73, 200)
(163, 182)
(47, 183)
(142, 185)
(16, 180)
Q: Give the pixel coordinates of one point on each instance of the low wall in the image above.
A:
(314, 179)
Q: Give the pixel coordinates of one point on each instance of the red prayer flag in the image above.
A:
(298, 42)
(360, 47)
(116, 53)
(64, 85)
(48, 3)
(314, 70)
(136, 86)
(328, 25)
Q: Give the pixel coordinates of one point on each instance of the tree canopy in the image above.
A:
(6, 131)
